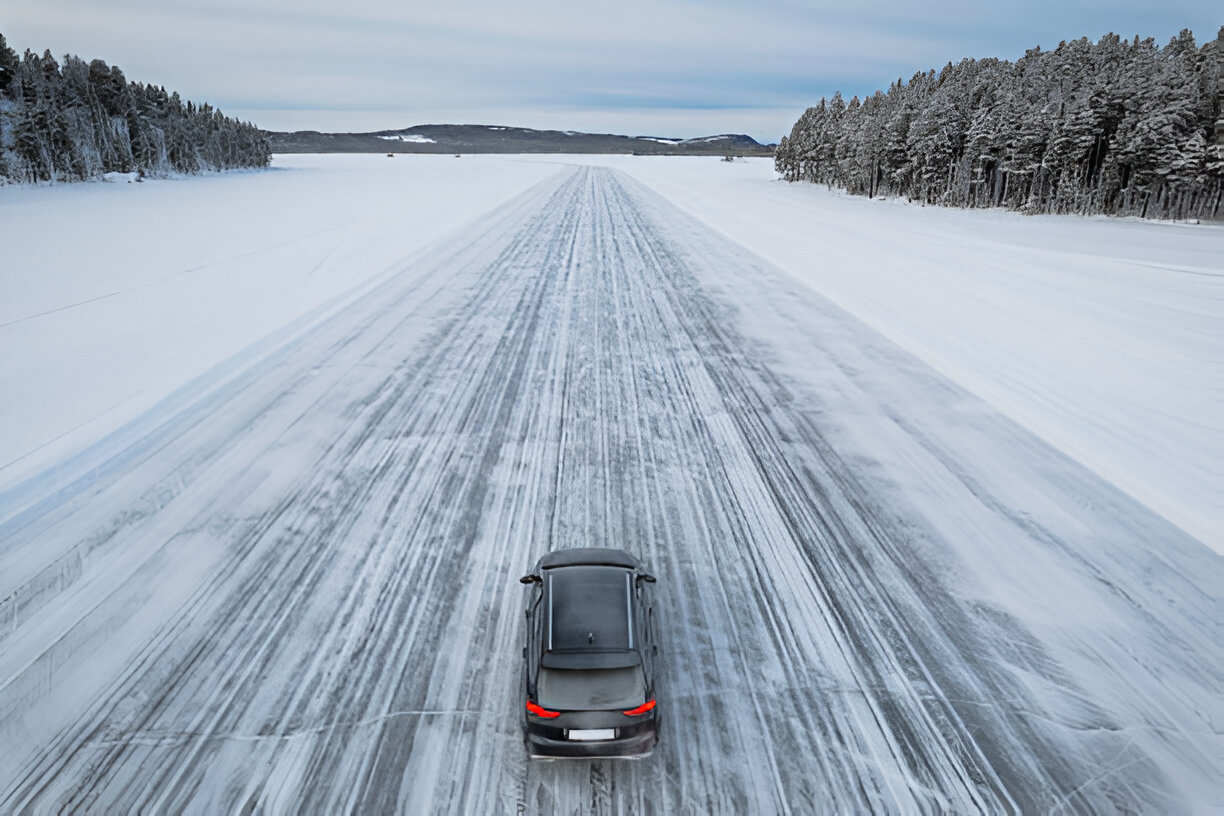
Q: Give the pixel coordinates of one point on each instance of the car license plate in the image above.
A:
(591, 734)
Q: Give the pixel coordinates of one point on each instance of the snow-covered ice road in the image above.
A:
(293, 587)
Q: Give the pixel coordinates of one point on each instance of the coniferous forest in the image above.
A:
(1117, 127)
(76, 120)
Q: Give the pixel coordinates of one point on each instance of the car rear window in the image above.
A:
(591, 689)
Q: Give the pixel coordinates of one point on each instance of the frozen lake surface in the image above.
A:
(277, 447)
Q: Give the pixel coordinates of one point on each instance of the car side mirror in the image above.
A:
(650, 579)
(531, 579)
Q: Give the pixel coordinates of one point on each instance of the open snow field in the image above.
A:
(933, 496)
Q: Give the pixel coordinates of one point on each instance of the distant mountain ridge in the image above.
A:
(503, 139)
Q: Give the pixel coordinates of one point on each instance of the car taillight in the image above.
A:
(642, 709)
(541, 712)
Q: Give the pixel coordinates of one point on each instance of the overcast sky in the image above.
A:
(676, 68)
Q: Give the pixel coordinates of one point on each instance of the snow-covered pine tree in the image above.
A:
(72, 120)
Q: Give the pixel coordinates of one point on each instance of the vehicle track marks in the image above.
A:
(347, 638)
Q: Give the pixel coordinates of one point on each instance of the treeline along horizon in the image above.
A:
(1115, 127)
(79, 120)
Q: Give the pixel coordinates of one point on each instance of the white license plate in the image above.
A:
(592, 734)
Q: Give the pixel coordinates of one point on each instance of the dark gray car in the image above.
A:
(589, 662)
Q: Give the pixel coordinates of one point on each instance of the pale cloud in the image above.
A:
(677, 67)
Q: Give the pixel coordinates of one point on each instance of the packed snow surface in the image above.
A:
(1103, 336)
(931, 495)
(164, 280)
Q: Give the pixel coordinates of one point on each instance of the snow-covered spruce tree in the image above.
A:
(1119, 127)
(936, 141)
(9, 66)
(78, 120)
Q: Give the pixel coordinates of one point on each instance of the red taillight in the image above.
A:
(642, 709)
(541, 712)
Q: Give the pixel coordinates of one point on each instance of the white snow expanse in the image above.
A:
(1101, 336)
(166, 279)
(933, 496)
(413, 138)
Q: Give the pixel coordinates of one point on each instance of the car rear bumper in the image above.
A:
(635, 746)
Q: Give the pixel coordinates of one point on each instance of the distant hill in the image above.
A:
(497, 139)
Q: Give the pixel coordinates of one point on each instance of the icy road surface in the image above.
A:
(292, 587)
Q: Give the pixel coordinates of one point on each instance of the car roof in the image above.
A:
(605, 556)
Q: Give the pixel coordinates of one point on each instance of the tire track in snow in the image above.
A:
(351, 641)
